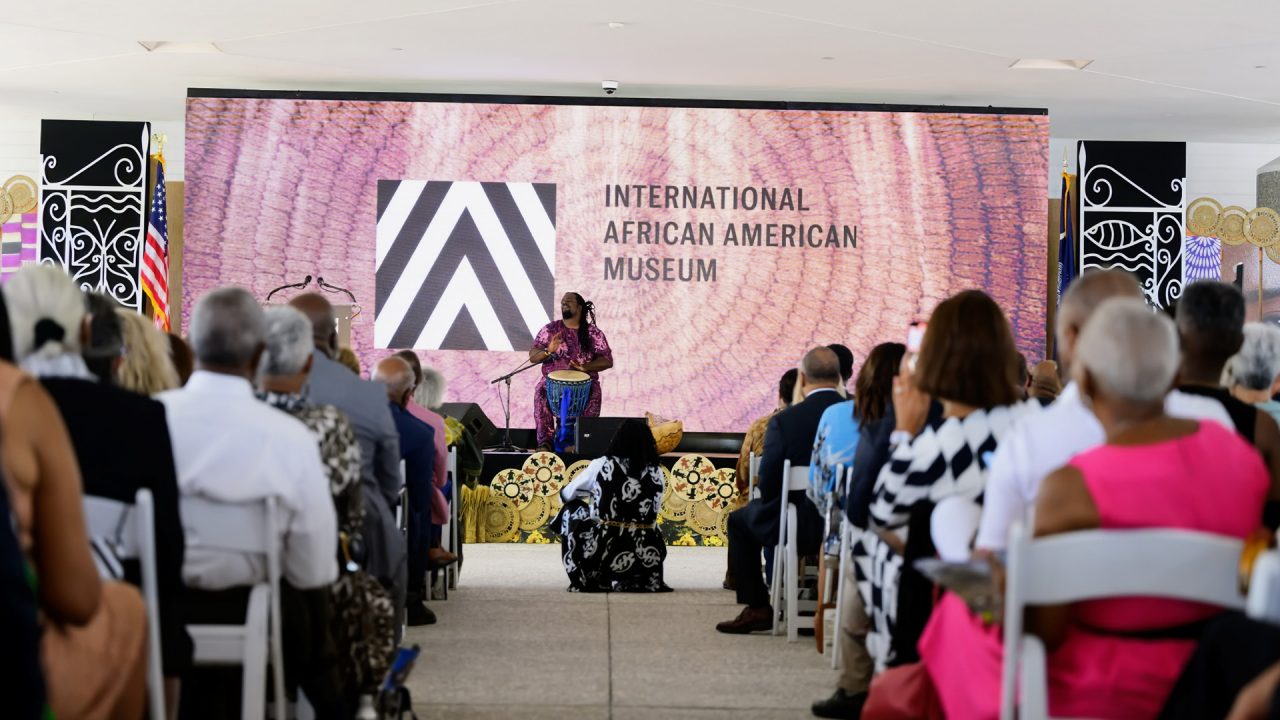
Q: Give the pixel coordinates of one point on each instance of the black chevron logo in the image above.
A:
(464, 265)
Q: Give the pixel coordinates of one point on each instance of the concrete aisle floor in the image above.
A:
(511, 643)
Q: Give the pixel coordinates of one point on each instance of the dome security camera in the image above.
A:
(609, 86)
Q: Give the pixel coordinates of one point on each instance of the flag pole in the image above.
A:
(159, 140)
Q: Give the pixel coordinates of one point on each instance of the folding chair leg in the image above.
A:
(776, 598)
(254, 673)
(792, 584)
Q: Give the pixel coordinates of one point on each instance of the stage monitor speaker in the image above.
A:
(474, 419)
(595, 434)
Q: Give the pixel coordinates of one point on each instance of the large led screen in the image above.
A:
(717, 242)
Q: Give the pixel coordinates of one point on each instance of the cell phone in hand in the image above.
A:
(915, 336)
(970, 580)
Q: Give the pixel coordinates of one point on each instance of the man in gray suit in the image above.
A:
(365, 404)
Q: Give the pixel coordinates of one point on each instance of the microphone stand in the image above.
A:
(327, 287)
(305, 282)
(506, 445)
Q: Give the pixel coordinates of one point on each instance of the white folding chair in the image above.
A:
(447, 578)
(786, 560)
(249, 528)
(846, 557)
(402, 513)
(753, 475)
(449, 536)
(830, 566)
(131, 529)
(1095, 564)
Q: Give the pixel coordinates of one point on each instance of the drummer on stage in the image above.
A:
(574, 343)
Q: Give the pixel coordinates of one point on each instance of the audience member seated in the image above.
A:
(872, 399)
(1254, 370)
(19, 606)
(348, 359)
(282, 374)
(1043, 442)
(609, 538)
(789, 436)
(366, 643)
(20, 651)
(1024, 377)
(841, 429)
(1211, 328)
(183, 361)
(1233, 673)
(430, 391)
(437, 556)
(753, 442)
(1114, 658)
(430, 394)
(148, 367)
(1046, 383)
(967, 360)
(417, 449)
(93, 633)
(365, 405)
(121, 439)
(230, 447)
(845, 356)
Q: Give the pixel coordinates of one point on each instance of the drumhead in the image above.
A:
(569, 376)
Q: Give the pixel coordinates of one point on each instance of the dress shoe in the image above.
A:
(840, 705)
(439, 557)
(728, 581)
(748, 621)
(417, 613)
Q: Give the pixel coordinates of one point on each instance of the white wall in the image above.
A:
(20, 145)
(1226, 172)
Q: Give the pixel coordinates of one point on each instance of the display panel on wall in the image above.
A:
(93, 194)
(719, 241)
(1132, 198)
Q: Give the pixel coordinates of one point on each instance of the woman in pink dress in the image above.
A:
(574, 343)
(1113, 658)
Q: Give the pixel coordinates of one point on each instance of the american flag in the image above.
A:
(155, 257)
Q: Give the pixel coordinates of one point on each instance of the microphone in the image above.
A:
(290, 286)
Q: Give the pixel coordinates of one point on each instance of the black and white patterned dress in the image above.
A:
(364, 626)
(613, 544)
(948, 460)
(339, 452)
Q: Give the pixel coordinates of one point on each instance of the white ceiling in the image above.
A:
(1162, 70)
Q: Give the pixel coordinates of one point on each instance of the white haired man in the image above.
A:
(417, 449)
(230, 447)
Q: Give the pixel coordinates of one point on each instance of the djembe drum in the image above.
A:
(567, 394)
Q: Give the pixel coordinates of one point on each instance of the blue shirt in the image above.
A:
(833, 448)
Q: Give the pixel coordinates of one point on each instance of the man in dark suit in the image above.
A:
(365, 405)
(789, 437)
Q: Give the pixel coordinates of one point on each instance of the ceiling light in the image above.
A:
(397, 49)
(827, 57)
(1043, 64)
(616, 25)
(187, 48)
(1259, 67)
